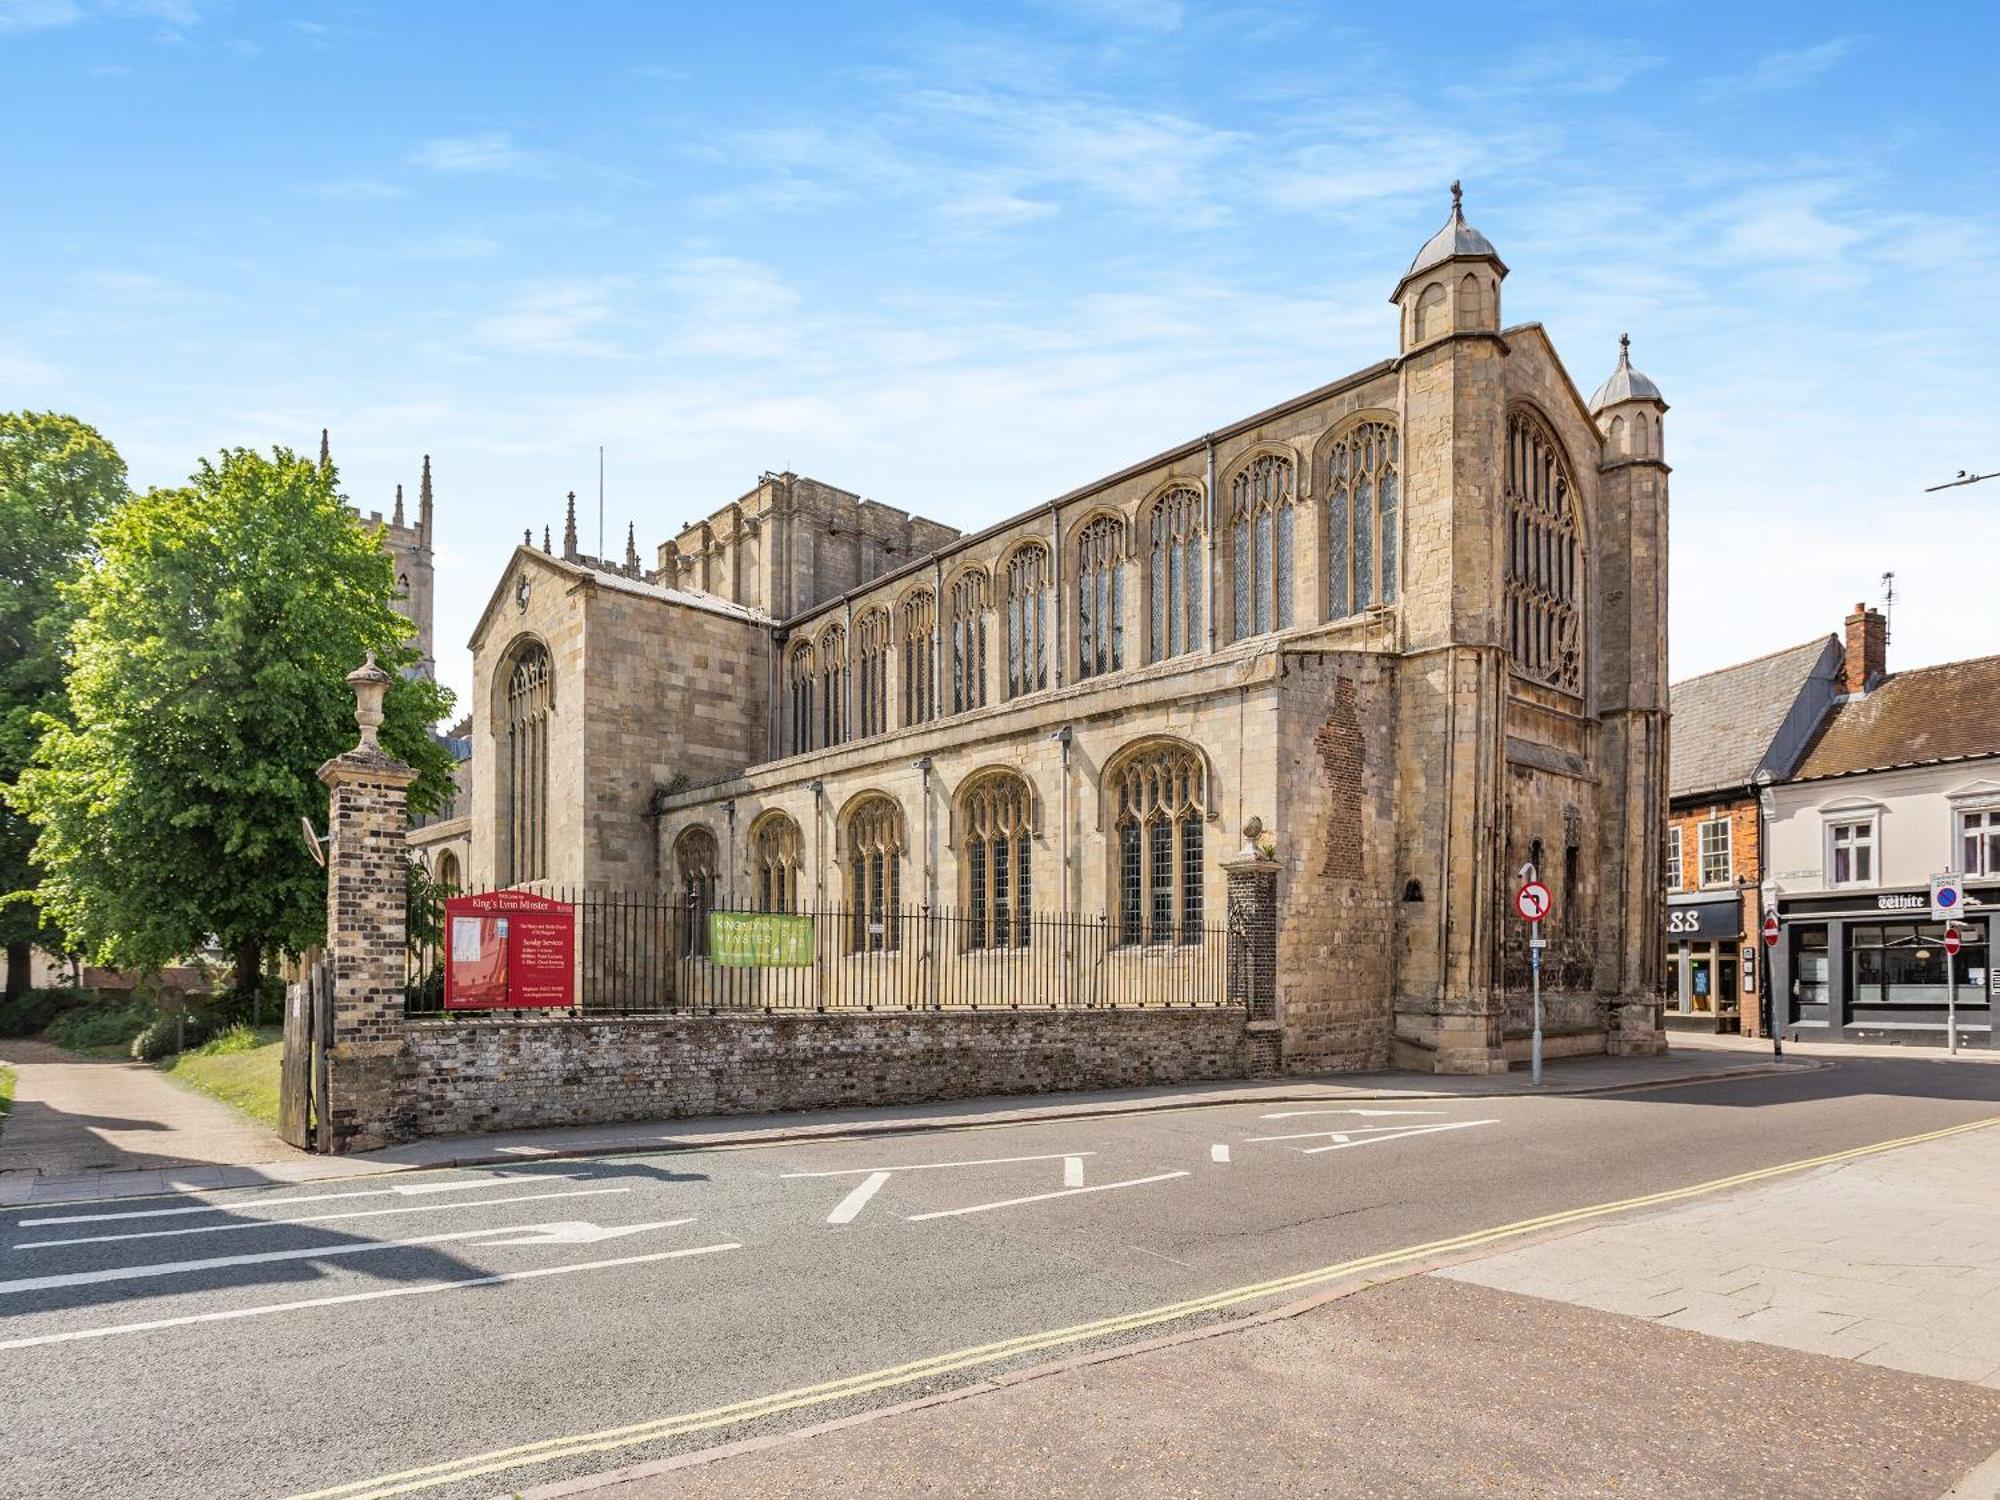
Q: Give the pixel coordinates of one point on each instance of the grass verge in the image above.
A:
(240, 1068)
(6, 1093)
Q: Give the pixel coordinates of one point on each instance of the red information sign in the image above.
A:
(509, 950)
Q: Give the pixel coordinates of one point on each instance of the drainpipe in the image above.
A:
(1062, 737)
(818, 789)
(729, 868)
(923, 764)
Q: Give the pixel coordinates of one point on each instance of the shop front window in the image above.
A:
(1809, 968)
(1903, 963)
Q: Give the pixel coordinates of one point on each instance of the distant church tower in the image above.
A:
(409, 548)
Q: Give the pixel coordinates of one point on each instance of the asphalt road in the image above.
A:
(287, 1341)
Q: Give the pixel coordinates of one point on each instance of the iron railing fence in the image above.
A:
(650, 955)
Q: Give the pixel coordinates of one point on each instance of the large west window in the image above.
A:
(1100, 597)
(995, 840)
(1851, 853)
(1544, 559)
(1175, 562)
(1265, 523)
(1362, 503)
(530, 699)
(1159, 804)
(1717, 867)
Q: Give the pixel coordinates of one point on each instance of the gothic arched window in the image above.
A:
(872, 667)
(1100, 597)
(800, 679)
(919, 657)
(832, 686)
(1266, 533)
(1176, 570)
(774, 856)
(1159, 800)
(996, 826)
(1028, 620)
(874, 875)
(1544, 559)
(447, 878)
(530, 698)
(1363, 497)
(695, 865)
(969, 603)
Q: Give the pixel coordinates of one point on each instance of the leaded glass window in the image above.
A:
(775, 861)
(919, 656)
(1361, 517)
(872, 669)
(996, 839)
(1544, 559)
(874, 875)
(969, 606)
(1159, 802)
(1028, 620)
(801, 678)
(1262, 512)
(1175, 563)
(1100, 597)
(530, 700)
(695, 860)
(832, 686)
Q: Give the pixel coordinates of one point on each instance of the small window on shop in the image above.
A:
(1673, 859)
(1716, 868)
(1853, 850)
(1979, 842)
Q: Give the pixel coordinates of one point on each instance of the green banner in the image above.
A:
(759, 940)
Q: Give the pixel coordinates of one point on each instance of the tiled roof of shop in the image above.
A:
(1946, 712)
(1725, 721)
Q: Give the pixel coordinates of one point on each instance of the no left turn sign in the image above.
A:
(1532, 901)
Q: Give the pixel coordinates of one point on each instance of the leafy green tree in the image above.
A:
(58, 479)
(213, 634)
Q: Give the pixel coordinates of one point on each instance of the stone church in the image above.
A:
(1398, 636)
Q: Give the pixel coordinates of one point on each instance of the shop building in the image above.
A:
(1902, 784)
(1733, 729)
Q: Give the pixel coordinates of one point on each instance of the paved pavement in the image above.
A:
(430, 1324)
(1891, 1260)
(45, 1171)
(77, 1115)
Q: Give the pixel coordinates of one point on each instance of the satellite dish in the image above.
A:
(315, 843)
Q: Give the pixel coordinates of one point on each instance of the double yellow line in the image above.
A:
(552, 1449)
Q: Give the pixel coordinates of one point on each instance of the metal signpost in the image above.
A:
(1771, 1022)
(1532, 901)
(1947, 901)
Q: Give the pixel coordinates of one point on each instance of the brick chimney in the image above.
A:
(1867, 659)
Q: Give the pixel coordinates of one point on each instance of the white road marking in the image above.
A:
(932, 1166)
(854, 1202)
(1072, 1171)
(526, 1150)
(1342, 1142)
(980, 1208)
(1293, 1114)
(220, 1262)
(1218, 1152)
(1367, 1135)
(310, 1219)
(77, 1334)
(405, 1190)
(582, 1232)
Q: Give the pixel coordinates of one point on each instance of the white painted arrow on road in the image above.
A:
(580, 1232)
(1293, 1114)
(317, 1252)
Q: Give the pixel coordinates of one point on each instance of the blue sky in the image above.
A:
(961, 259)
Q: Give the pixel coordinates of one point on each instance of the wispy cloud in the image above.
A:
(1780, 71)
(488, 151)
(354, 188)
(554, 318)
(38, 15)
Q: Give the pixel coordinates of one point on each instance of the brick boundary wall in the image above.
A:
(463, 1077)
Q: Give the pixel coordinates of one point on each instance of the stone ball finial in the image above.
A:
(371, 686)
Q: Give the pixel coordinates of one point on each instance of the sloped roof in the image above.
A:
(1946, 712)
(1725, 721)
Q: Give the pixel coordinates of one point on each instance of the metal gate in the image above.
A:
(302, 1113)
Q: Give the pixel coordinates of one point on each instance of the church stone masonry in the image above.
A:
(1386, 642)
